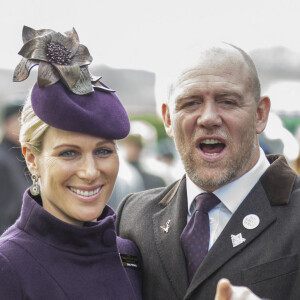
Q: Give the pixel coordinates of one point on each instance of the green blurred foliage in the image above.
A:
(291, 123)
(155, 121)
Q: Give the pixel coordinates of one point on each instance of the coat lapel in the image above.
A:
(223, 249)
(173, 212)
(274, 188)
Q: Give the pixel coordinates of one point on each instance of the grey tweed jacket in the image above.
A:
(267, 261)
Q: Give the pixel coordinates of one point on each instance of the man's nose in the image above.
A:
(209, 115)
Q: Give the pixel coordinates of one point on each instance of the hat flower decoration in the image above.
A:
(59, 57)
(66, 96)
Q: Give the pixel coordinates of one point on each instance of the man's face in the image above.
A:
(214, 118)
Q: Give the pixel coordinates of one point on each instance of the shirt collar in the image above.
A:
(233, 193)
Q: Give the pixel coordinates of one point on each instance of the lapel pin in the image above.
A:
(251, 221)
(237, 239)
(166, 227)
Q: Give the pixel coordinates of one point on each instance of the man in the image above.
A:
(133, 145)
(214, 114)
(12, 167)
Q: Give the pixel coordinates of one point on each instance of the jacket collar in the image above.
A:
(280, 173)
(273, 188)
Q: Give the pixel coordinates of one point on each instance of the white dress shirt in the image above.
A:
(231, 196)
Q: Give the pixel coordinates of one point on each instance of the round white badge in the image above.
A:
(251, 221)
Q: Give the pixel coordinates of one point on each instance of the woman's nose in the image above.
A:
(89, 170)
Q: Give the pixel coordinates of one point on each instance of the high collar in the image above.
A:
(91, 238)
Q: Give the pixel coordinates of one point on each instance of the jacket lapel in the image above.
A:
(223, 249)
(274, 188)
(168, 224)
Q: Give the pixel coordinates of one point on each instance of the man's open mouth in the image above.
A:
(212, 146)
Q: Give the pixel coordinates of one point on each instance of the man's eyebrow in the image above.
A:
(229, 93)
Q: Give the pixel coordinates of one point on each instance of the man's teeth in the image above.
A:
(85, 193)
(210, 141)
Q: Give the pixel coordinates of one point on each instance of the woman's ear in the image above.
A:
(31, 160)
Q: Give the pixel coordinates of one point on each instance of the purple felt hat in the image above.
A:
(99, 113)
(66, 96)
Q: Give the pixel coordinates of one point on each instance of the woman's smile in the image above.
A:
(77, 174)
(86, 194)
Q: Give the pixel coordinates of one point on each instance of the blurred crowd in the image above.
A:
(146, 161)
(13, 171)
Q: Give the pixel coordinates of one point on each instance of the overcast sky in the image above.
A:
(140, 34)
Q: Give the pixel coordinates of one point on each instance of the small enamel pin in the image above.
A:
(166, 227)
(251, 221)
(237, 239)
(129, 261)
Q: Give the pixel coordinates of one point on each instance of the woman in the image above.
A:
(64, 244)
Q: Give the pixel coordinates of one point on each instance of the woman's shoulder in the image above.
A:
(10, 287)
(129, 253)
(14, 244)
(6, 239)
(126, 246)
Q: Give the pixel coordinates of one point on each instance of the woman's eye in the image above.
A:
(103, 151)
(68, 153)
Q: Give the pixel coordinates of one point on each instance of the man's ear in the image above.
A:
(167, 119)
(263, 110)
(31, 160)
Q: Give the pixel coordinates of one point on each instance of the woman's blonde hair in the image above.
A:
(32, 128)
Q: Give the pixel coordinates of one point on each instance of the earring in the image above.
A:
(35, 188)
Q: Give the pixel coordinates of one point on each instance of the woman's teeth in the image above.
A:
(85, 193)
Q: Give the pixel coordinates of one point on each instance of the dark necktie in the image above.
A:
(196, 234)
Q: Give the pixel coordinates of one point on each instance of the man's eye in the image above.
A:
(228, 102)
(68, 153)
(189, 104)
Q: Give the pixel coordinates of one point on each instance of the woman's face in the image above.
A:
(77, 174)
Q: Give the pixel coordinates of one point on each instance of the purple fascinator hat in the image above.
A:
(66, 96)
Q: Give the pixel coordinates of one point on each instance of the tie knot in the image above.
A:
(206, 201)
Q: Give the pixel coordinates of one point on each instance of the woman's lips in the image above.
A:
(85, 192)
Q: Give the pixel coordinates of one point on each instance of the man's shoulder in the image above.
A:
(138, 207)
(147, 197)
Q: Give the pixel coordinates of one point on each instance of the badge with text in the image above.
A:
(237, 239)
(129, 261)
(166, 227)
(251, 221)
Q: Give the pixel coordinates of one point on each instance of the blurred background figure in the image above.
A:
(133, 175)
(296, 163)
(129, 180)
(138, 148)
(276, 139)
(13, 181)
